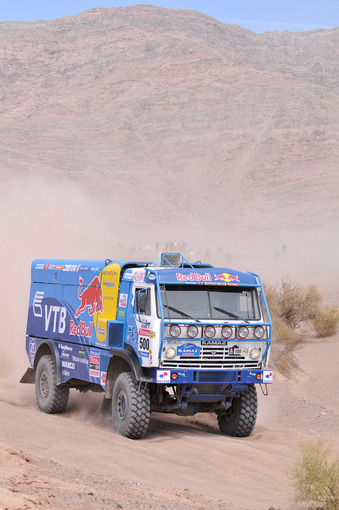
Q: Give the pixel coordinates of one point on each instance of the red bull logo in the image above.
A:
(194, 277)
(227, 277)
(90, 297)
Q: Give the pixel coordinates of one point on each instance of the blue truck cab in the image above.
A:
(167, 336)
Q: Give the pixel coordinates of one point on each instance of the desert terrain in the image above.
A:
(123, 131)
(76, 459)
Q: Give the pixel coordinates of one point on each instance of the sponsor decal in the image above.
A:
(109, 284)
(103, 378)
(46, 266)
(123, 300)
(109, 273)
(39, 266)
(65, 347)
(267, 376)
(68, 364)
(82, 353)
(194, 277)
(80, 329)
(32, 349)
(94, 363)
(144, 332)
(226, 277)
(138, 276)
(163, 376)
(56, 316)
(90, 297)
(188, 350)
(51, 267)
(121, 313)
(153, 334)
(235, 350)
(84, 268)
(59, 268)
(84, 361)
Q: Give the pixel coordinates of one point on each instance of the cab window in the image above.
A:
(142, 301)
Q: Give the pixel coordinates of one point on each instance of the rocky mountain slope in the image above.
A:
(184, 127)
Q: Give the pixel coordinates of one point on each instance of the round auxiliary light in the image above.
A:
(175, 330)
(192, 331)
(227, 332)
(259, 332)
(243, 332)
(255, 353)
(170, 353)
(209, 332)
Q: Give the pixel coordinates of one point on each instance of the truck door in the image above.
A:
(143, 315)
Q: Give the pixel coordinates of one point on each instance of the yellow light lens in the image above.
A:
(255, 353)
(170, 353)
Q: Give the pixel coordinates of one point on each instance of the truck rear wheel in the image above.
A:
(239, 420)
(50, 397)
(131, 407)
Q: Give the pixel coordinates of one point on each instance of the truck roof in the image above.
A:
(68, 271)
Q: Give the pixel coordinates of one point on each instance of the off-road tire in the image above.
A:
(50, 397)
(131, 407)
(239, 420)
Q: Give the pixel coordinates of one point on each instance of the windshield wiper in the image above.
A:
(183, 314)
(230, 314)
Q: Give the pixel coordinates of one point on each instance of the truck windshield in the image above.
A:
(209, 302)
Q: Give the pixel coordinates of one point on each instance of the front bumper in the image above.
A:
(234, 377)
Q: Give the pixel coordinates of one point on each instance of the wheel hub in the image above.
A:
(44, 386)
(121, 405)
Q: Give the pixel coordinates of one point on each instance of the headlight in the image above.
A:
(255, 353)
(192, 331)
(243, 332)
(227, 332)
(259, 332)
(175, 330)
(209, 332)
(170, 353)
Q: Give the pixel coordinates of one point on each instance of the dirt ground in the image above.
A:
(75, 460)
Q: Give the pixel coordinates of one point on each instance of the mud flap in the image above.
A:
(29, 376)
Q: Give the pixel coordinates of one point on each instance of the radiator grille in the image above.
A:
(212, 357)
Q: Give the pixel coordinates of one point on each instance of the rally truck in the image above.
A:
(168, 336)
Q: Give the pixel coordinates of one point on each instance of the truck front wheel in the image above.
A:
(131, 407)
(239, 420)
(50, 397)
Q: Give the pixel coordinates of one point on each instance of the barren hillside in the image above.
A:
(176, 114)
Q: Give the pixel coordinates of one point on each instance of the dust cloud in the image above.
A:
(43, 218)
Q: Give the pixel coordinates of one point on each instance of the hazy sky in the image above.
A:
(256, 15)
